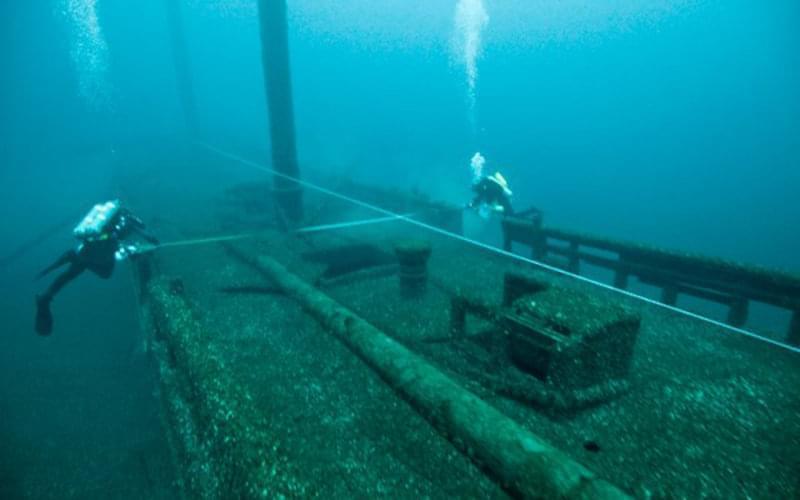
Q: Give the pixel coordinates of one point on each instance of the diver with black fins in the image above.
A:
(491, 192)
(108, 233)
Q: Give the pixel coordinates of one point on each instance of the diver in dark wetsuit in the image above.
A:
(103, 234)
(492, 192)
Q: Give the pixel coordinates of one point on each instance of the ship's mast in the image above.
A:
(278, 86)
(183, 73)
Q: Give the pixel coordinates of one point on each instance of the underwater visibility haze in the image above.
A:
(456, 248)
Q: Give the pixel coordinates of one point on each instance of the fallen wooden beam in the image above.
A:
(522, 462)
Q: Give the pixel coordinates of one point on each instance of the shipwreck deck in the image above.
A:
(262, 397)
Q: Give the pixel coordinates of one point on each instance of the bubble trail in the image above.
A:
(89, 52)
(470, 21)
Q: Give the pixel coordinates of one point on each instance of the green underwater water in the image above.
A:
(671, 125)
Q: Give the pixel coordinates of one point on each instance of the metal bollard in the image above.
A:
(412, 255)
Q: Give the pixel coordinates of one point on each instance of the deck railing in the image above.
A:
(728, 283)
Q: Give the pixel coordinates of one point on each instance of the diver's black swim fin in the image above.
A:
(44, 318)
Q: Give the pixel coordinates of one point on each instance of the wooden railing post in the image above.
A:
(669, 295)
(794, 329)
(539, 240)
(621, 279)
(737, 314)
(458, 317)
(574, 257)
(507, 241)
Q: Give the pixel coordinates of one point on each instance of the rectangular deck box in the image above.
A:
(568, 339)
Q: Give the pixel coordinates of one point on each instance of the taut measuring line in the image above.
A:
(500, 251)
(241, 236)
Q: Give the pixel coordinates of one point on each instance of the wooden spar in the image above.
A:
(522, 462)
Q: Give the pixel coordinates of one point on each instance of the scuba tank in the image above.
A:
(97, 222)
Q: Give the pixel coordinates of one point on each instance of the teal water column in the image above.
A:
(183, 73)
(278, 83)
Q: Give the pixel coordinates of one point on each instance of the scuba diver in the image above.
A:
(106, 236)
(491, 192)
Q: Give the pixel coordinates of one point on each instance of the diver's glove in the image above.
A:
(132, 249)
